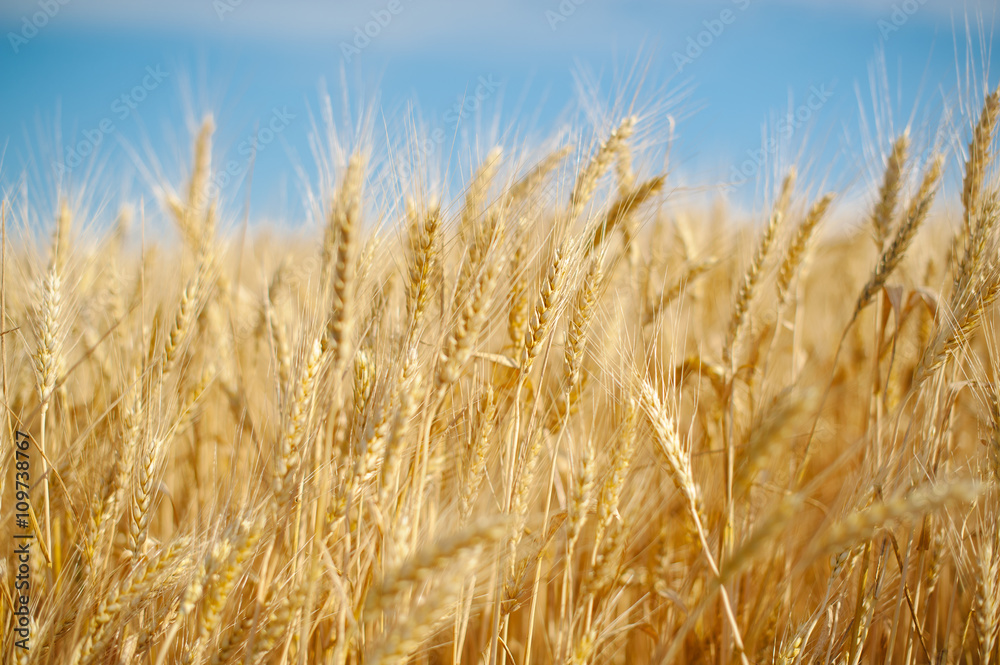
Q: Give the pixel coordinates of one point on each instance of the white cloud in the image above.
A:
(419, 19)
(318, 16)
(440, 24)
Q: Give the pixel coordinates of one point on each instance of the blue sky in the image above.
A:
(132, 76)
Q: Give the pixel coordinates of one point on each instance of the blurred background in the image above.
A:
(111, 91)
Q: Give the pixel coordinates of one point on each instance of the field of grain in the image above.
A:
(555, 420)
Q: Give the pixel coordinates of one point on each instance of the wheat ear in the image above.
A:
(475, 195)
(544, 312)
(893, 254)
(587, 179)
(524, 187)
(345, 220)
(797, 247)
(744, 296)
(624, 207)
(885, 209)
(860, 526)
(300, 404)
(979, 157)
(423, 262)
(49, 356)
(576, 338)
(679, 471)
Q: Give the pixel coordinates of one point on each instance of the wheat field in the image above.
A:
(554, 420)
